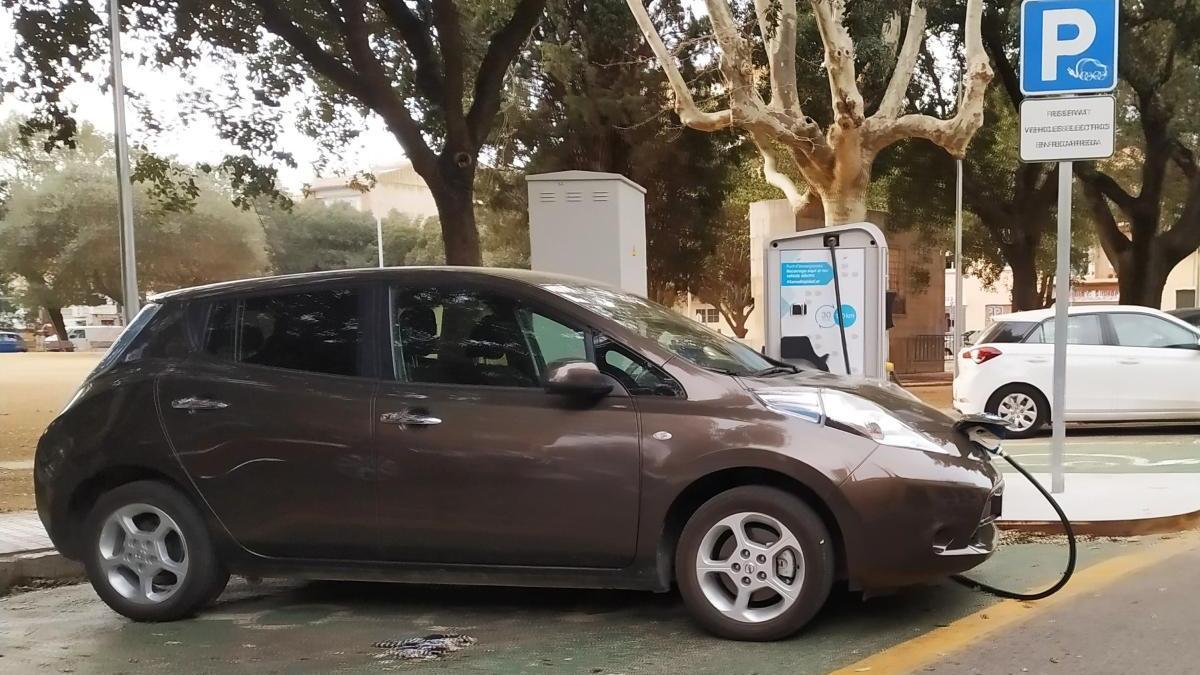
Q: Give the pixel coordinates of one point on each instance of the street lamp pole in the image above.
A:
(129, 285)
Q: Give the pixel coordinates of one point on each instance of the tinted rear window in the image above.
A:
(315, 331)
(1006, 331)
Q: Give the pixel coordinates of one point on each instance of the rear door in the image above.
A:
(478, 463)
(272, 421)
(1158, 365)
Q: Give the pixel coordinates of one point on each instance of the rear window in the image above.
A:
(315, 331)
(1005, 331)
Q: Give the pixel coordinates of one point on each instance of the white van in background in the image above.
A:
(93, 337)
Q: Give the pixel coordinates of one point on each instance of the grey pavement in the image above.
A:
(21, 532)
(1144, 623)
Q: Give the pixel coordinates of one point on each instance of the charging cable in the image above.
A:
(1066, 576)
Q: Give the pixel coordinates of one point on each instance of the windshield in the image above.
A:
(678, 334)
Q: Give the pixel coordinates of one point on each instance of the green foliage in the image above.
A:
(58, 236)
(412, 240)
(313, 236)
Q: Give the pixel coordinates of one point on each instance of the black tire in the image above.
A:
(205, 577)
(1042, 408)
(811, 535)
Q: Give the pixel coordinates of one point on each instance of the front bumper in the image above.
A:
(921, 516)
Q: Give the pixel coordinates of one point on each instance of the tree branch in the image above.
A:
(685, 106)
(1106, 186)
(1112, 240)
(449, 34)
(771, 171)
(994, 42)
(953, 134)
(781, 53)
(896, 94)
(503, 48)
(419, 41)
(839, 63)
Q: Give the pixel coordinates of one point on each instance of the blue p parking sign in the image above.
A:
(1068, 46)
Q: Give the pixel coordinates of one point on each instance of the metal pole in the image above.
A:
(957, 330)
(379, 239)
(129, 285)
(1062, 299)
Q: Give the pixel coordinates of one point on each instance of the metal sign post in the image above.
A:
(129, 285)
(957, 329)
(1068, 48)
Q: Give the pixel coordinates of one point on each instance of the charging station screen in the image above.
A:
(809, 303)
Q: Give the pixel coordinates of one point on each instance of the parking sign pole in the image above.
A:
(956, 330)
(1062, 299)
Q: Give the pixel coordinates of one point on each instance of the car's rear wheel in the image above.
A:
(149, 554)
(1023, 408)
(754, 563)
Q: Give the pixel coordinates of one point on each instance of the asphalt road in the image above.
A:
(1131, 448)
(333, 627)
(1145, 623)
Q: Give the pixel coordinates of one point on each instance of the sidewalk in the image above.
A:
(22, 532)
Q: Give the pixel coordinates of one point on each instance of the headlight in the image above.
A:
(853, 413)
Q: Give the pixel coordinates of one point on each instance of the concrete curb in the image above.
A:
(29, 566)
(1109, 528)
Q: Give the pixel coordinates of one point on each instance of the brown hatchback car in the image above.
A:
(477, 426)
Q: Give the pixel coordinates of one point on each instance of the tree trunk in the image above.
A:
(846, 202)
(738, 323)
(1141, 278)
(56, 318)
(1023, 264)
(456, 211)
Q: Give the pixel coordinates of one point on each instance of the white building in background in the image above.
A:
(693, 308)
(1097, 287)
(108, 314)
(397, 188)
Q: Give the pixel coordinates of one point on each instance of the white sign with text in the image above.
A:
(1067, 129)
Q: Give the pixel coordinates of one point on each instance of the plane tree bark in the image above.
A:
(833, 163)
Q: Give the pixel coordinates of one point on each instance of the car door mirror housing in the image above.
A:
(577, 378)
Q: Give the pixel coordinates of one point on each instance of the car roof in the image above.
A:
(284, 281)
(1038, 315)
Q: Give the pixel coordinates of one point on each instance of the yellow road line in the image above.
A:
(912, 654)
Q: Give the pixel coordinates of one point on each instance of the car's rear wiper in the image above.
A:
(776, 370)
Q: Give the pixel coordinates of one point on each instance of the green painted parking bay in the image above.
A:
(332, 627)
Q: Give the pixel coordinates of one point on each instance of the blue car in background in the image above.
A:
(11, 342)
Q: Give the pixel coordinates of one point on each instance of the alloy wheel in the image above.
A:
(143, 554)
(1018, 410)
(750, 567)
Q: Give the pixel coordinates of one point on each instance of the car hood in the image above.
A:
(891, 397)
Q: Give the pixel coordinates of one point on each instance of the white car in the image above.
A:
(1123, 364)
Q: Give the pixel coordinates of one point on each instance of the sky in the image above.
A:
(197, 141)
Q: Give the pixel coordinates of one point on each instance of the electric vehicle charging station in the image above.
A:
(825, 299)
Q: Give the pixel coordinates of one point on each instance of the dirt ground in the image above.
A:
(33, 388)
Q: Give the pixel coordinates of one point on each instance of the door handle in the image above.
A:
(1129, 362)
(194, 403)
(407, 418)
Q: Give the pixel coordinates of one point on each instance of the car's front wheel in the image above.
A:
(149, 555)
(754, 563)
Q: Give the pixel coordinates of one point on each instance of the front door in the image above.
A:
(1158, 365)
(478, 463)
(272, 422)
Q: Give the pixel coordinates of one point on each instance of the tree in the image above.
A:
(58, 236)
(834, 163)
(591, 99)
(411, 240)
(312, 236)
(1160, 77)
(432, 70)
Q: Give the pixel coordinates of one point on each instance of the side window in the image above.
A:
(1082, 329)
(633, 372)
(448, 336)
(315, 331)
(1140, 330)
(553, 341)
(164, 337)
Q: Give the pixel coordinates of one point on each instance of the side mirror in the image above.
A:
(577, 378)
